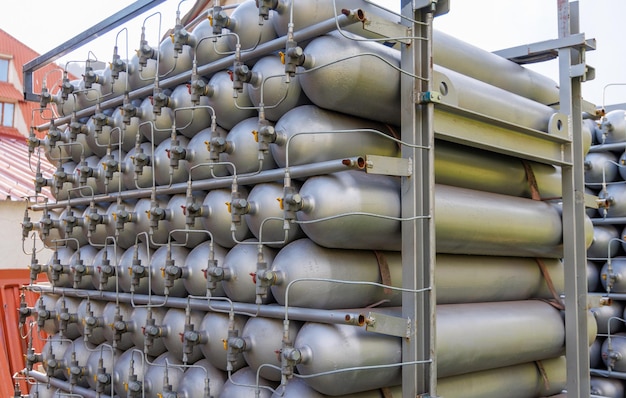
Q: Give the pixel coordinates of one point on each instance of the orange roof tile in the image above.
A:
(17, 169)
(8, 93)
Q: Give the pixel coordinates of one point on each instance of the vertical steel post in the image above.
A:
(577, 350)
(418, 234)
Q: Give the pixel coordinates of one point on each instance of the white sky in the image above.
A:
(489, 24)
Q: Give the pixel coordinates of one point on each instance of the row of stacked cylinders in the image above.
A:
(604, 178)
(248, 185)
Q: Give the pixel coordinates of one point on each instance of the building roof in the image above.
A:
(17, 170)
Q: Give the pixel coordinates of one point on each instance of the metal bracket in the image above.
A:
(386, 165)
(387, 324)
(441, 6)
(385, 28)
(591, 201)
(429, 96)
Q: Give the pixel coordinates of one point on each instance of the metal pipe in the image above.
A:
(301, 171)
(221, 64)
(65, 386)
(350, 317)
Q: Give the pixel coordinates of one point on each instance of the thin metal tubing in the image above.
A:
(221, 64)
(301, 171)
(65, 386)
(352, 317)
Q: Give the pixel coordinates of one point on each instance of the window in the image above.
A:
(7, 113)
(4, 70)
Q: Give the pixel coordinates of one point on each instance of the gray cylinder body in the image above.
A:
(615, 194)
(215, 326)
(79, 351)
(59, 271)
(243, 384)
(595, 353)
(244, 149)
(248, 35)
(95, 334)
(73, 328)
(593, 276)
(173, 327)
(143, 180)
(155, 375)
(162, 167)
(155, 128)
(264, 338)
(610, 388)
(612, 128)
(265, 217)
(600, 167)
(195, 266)
(159, 235)
(121, 370)
(112, 315)
(125, 268)
(269, 87)
(189, 121)
(605, 317)
(48, 302)
(86, 254)
(194, 380)
(218, 218)
(140, 316)
(241, 263)
(198, 156)
(125, 236)
(229, 110)
(52, 355)
(209, 47)
(316, 137)
(176, 222)
(613, 357)
(105, 276)
(157, 270)
(108, 356)
(605, 242)
(616, 279)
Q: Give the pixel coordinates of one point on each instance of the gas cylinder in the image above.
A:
(160, 278)
(229, 109)
(615, 280)
(240, 265)
(100, 368)
(48, 229)
(122, 374)
(605, 387)
(265, 216)
(189, 117)
(202, 380)
(68, 315)
(593, 277)
(242, 149)
(209, 47)
(59, 267)
(600, 168)
(244, 384)
(595, 353)
(155, 128)
(71, 228)
(198, 155)
(122, 223)
(240, 33)
(153, 236)
(143, 317)
(196, 265)
(317, 137)
(605, 242)
(89, 176)
(123, 135)
(163, 172)
(110, 168)
(607, 317)
(137, 167)
(613, 350)
(177, 223)
(172, 330)
(91, 322)
(81, 261)
(100, 137)
(53, 353)
(165, 367)
(217, 329)
(133, 266)
(263, 339)
(75, 360)
(269, 87)
(49, 322)
(106, 267)
(219, 220)
(95, 219)
(612, 128)
(615, 195)
(62, 188)
(118, 320)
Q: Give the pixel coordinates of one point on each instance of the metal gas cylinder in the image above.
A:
(209, 47)
(202, 379)
(80, 262)
(613, 352)
(609, 388)
(100, 137)
(338, 71)
(68, 315)
(339, 194)
(178, 223)
(155, 128)
(217, 329)
(244, 384)
(121, 225)
(607, 317)
(133, 266)
(263, 339)
(48, 229)
(91, 323)
(172, 331)
(297, 388)
(63, 182)
(308, 134)
(163, 172)
(219, 220)
(172, 62)
(242, 149)
(89, 176)
(268, 87)
(160, 278)
(241, 264)
(595, 353)
(243, 34)
(166, 367)
(196, 265)
(75, 360)
(304, 259)
(189, 117)
(106, 267)
(605, 242)
(492, 172)
(612, 128)
(46, 305)
(144, 317)
(614, 279)
(100, 368)
(137, 167)
(229, 109)
(593, 276)
(69, 105)
(266, 218)
(43, 390)
(325, 347)
(117, 324)
(615, 196)
(71, 227)
(96, 220)
(122, 372)
(158, 235)
(600, 167)
(622, 166)
(519, 381)
(58, 267)
(110, 168)
(124, 135)
(74, 147)
(52, 355)
(141, 75)
(199, 154)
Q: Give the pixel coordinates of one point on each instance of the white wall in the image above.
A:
(11, 253)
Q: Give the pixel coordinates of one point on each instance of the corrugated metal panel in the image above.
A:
(17, 170)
